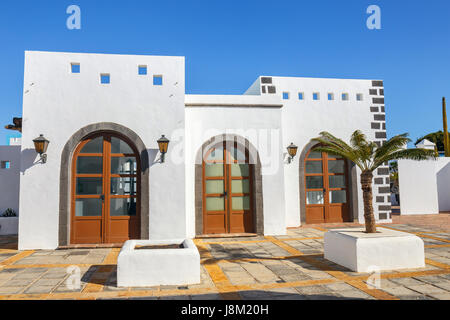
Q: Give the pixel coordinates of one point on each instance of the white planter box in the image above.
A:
(9, 226)
(385, 250)
(153, 267)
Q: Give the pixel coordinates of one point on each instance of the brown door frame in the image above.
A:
(326, 188)
(106, 176)
(227, 178)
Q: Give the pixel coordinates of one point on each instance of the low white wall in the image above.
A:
(419, 186)
(9, 226)
(10, 179)
(443, 183)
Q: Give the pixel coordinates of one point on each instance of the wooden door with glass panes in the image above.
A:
(326, 183)
(227, 190)
(105, 190)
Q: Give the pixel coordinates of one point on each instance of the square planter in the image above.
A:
(385, 250)
(9, 226)
(145, 263)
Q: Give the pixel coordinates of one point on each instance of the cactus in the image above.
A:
(446, 139)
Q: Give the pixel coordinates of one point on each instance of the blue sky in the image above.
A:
(227, 44)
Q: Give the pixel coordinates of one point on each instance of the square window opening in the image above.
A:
(345, 97)
(157, 80)
(285, 95)
(359, 97)
(6, 164)
(330, 96)
(316, 96)
(75, 67)
(105, 78)
(300, 96)
(142, 70)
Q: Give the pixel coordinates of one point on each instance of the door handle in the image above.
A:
(225, 194)
(102, 197)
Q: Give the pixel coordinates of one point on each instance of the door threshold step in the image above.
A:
(91, 246)
(227, 235)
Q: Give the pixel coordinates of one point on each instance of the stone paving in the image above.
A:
(290, 267)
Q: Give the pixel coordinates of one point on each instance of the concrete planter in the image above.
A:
(385, 250)
(9, 226)
(153, 267)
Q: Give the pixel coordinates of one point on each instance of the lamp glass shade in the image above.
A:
(163, 144)
(41, 144)
(292, 150)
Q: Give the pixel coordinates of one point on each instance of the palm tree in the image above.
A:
(368, 156)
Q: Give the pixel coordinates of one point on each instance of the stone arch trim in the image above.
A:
(353, 185)
(66, 169)
(257, 181)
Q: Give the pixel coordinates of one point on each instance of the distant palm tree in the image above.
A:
(368, 157)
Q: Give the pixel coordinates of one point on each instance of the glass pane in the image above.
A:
(314, 197)
(338, 196)
(239, 170)
(215, 204)
(216, 154)
(90, 165)
(93, 146)
(313, 167)
(214, 186)
(314, 182)
(240, 186)
(214, 170)
(336, 166)
(89, 186)
(88, 207)
(122, 207)
(241, 203)
(237, 154)
(123, 165)
(315, 155)
(123, 186)
(337, 182)
(120, 146)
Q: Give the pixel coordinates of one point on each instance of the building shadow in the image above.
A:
(9, 242)
(28, 159)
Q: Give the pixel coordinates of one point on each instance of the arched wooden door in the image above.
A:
(326, 182)
(227, 190)
(105, 190)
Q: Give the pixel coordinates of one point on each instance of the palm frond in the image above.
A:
(417, 154)
(392, 145)
(358, 139)
(334, 140)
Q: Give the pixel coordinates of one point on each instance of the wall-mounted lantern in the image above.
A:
(163, 144)
(292, 150)
(41, 145)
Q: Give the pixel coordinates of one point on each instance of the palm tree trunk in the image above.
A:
(366, 185)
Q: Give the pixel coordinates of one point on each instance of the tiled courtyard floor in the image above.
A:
(288, 267)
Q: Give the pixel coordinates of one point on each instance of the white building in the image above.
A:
(226, 170)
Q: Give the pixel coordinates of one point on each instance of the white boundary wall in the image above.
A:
(424, 186)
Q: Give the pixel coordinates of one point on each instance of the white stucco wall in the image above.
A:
(304, 119)
(10, 179)
(418, 187)
(443, 181)
(58, 103)
(252, 118)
